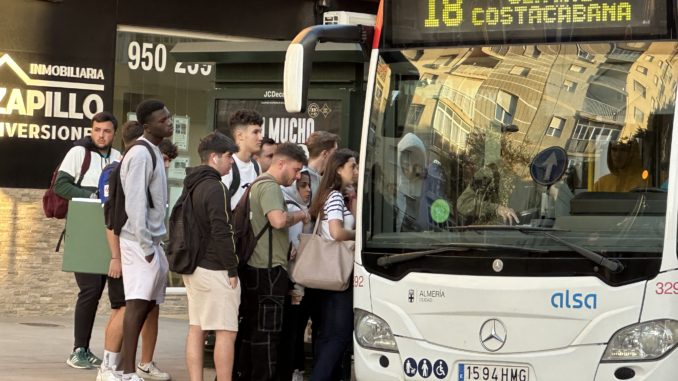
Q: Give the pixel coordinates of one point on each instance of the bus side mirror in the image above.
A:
(296, 78)
(299, 58)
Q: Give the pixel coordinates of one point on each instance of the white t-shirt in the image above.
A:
(73, 162)
(247, 176)
(335, 209)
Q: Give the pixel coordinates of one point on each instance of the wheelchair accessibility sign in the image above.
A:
(440, 369)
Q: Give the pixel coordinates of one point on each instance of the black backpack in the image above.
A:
(243, 235)
(184, 237)
(114, 208)
(233, 189)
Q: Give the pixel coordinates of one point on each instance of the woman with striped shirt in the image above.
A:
(334, 203)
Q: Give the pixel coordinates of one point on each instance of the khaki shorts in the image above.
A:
(212, 303)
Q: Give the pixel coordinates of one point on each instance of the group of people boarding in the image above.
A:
(258, 314)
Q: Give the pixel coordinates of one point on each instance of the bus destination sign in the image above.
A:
(504, 21)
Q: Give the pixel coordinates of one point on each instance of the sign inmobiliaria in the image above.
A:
(45, 105)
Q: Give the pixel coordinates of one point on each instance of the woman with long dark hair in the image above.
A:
(333, 205)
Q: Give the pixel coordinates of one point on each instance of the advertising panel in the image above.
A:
(51, 84)
(281, 126)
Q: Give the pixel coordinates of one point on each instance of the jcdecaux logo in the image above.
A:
(574, 300)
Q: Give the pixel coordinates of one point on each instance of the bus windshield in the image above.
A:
(565, 140)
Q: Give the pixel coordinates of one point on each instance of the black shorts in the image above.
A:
(116, 293)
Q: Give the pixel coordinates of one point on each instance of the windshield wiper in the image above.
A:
(446, 247)
(613, 265)
(404, 257)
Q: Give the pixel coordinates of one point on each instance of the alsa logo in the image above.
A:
(575, 300)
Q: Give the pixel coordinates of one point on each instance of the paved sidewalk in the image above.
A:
(36, 348)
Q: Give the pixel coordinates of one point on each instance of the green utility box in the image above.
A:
(85, 245)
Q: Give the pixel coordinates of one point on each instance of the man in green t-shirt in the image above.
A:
(264, 277)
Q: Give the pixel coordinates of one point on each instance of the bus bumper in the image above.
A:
(576, 363)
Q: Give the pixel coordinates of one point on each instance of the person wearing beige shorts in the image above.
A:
(212, 287)
(212, 302)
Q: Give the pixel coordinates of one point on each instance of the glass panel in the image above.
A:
(519, 70)
(577, 68)
(640, 89)
(555, 127)
(145, 68)
(474, 166)
(570, 86)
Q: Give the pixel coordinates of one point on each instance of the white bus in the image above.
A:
(518, 196)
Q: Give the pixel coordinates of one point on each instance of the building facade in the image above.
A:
(61, 62)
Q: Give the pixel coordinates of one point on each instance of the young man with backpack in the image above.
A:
(89, 155)
(246, 130)
(264, 275)
(131, 131)
(144, 265)
(212, 286)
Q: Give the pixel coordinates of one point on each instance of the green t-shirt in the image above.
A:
(266, 196)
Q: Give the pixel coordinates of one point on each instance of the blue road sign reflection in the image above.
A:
(548, 166)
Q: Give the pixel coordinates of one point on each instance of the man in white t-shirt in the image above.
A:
(77, 181)
(247, 133)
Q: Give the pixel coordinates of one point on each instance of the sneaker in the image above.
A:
(298, 375)
(151, 372)
(93, 359)
(106, 374)
(78, 359)
(135, 377)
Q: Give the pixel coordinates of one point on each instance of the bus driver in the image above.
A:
(626, 168)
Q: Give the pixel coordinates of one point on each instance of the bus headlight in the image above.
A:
(373, 332)
(644, 341)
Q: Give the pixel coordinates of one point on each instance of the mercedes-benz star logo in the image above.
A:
(493, 335)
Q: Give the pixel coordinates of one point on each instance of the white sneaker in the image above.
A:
(298, 375)
(106, 374)
(151, 372)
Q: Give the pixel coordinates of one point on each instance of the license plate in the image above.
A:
(492, 372)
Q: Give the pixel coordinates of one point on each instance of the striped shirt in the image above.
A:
(335, 209)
